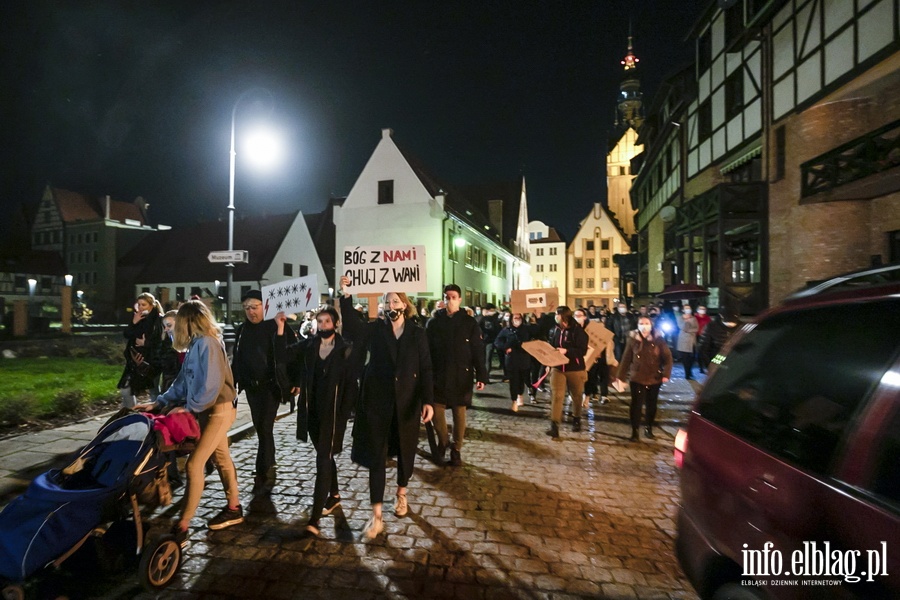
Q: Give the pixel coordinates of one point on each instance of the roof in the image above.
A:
(181, 254)
(509, 192)
(552, 236)
(75, 206)
(323, 233)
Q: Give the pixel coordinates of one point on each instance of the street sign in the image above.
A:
(229, 256)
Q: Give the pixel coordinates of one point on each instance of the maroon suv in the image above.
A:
(791, 459)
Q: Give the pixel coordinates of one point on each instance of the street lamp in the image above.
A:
(259, 141)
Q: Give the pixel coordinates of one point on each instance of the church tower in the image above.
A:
(629, 116)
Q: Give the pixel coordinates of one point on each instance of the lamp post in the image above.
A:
(229, 283)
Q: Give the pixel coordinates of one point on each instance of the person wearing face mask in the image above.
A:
(647, 363)
(518, 362)
(703, 320)
(457, 350)
(621, 323)
(263, 379)
(598, 372)
(687, 340)
(325, 377)
(397, 393)
(570, 339)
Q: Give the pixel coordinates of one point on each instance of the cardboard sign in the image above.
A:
(532, 301)
(545, 354)
(382, 269)
(291, 296)
(599, 339)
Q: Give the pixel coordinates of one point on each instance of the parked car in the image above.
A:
(790, 463)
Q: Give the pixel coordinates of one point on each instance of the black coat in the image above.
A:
(575, 341)
(276, 369)
(142, 377)
(321, 416)
(457, 352)
(397, 379)
(511, 338)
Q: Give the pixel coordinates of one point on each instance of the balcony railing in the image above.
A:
(875, 152)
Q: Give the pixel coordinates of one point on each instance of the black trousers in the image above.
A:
(598, 378)
(378, 473)
(326, 482)
(646, 396)
(687, 359)
(518, 379)
(264, 401)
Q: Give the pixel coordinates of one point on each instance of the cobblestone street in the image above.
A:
(524, 517)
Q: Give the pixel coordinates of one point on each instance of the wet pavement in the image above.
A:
(590, 516)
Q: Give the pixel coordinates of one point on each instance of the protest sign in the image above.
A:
(599, 339)
(532, 301)
(545, 354)
(291, 296)
(381, 269)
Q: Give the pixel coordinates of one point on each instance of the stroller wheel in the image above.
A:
(160, 562)
(12, 591)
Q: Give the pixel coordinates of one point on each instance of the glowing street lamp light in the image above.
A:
(260, 148)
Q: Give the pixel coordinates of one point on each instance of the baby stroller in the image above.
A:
(123, 469)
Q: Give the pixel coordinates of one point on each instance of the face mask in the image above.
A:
(687, 311)
(701, 311)
(516, 323)
(644, 329)
(580, 320)
(325, 333)
(622, 310)
(394, 314)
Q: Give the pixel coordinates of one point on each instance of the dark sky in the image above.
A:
(130, 98)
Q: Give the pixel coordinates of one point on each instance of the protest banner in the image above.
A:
(290, 296)
(532, 301)
(380, 269)
(545, 354)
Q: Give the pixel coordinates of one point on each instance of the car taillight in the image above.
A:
(681, 441)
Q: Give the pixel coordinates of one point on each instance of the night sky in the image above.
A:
(134, 99)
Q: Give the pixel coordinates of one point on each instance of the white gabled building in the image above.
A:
(548, 258)
(593, 277)
(475, 236)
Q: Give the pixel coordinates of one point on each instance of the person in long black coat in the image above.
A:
(518, 362)
(143, 339)
(396, 392)
(325, 377)
(457, 350)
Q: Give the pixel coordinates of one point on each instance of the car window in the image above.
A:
(886, 477)
(793, 383)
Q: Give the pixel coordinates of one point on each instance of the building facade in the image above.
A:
(468, 235)
(548, 258)
(593, 276)
(745, 151)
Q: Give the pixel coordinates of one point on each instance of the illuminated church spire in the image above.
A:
(630, 113)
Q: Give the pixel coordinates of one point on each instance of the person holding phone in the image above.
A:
(143, 341)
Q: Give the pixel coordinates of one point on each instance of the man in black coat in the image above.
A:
(457, 352)
(621, 323)
(489, 321)
(263, 379)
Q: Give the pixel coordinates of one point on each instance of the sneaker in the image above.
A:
(603, 400)
(401, 507)
(648, 433)
(373, 528)
(332, 503)
(532, 397)
(515, 406)
(227, 518)
(519, 400)
(311, 530)
(455, 458)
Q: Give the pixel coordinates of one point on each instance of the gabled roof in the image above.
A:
(75, 206)
(552, 236)
(610, 216)
(181, 254)
(323, 233)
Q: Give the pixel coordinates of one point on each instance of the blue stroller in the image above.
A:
(121, 470)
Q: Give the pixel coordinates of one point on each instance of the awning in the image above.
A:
(743, 158)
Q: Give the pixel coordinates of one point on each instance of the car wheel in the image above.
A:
(159, 562)
(736, 591)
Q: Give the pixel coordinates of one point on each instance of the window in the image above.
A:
(95, 237)
(621, 170)
(94, 277)
(244, 290)
(95, 256)
(539, 252)
(553, 267)
(553, 251)
(196, 291)
(79, 238)
(604, 263)
(386, 192)
(704, 52)
(734, 23)
(590, 283)
(604, 244)
(604, 283)
(535, 235)
(179, 293)
(589, 246)
(46, 283)
(288, 269)
(56, 237)
(539, 268)
(769, 389)
(577, 263)
(302, 270)
(704, 120)
(577, 284)
(734, 93)
(590, 264)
